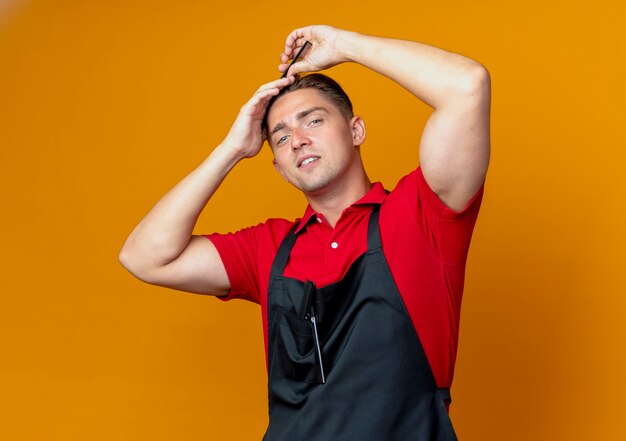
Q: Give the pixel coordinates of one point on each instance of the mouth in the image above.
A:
(307, 160)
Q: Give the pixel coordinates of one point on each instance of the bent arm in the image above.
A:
(161, 249)
(455, 148)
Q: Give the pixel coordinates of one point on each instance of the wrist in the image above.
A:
(347, 45)
(230, 152)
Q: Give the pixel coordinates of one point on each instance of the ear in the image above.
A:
(279, 170)
(358, 130)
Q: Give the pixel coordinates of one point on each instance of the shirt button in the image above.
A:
(319, 220)
(334, 245)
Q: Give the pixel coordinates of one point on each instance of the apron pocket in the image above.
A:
(295, 349)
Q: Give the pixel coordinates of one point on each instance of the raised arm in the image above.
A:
(161, 250)
(455, 147)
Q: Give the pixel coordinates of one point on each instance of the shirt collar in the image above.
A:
(375, 196)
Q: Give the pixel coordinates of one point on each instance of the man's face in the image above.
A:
(314, 145)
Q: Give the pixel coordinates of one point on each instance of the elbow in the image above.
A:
(127, 261)
(124, 259)
(478, 82)
(471, 85)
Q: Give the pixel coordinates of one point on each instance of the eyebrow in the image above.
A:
(281, 125)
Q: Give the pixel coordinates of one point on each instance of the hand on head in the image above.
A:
(322, 54)
(245, 135)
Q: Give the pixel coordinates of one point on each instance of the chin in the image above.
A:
(313, 186)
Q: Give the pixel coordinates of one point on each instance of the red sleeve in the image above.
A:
(247, 256)
(449, 232)
(237, 251)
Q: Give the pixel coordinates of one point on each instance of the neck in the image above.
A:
(331, 203)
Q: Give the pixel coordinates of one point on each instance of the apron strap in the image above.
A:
(282, 255)
(373, 233)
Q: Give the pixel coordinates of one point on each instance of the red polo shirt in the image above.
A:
(425, 243)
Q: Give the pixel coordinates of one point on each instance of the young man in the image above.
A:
(361, 297)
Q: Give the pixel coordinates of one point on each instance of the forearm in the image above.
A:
(166, 230)
(433, 75)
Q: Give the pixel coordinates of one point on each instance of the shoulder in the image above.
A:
(415, 189)
(274, 230)
(413, 210)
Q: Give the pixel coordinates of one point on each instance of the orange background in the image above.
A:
(104, 106)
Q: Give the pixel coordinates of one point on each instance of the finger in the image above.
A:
(262, 101)
(290, 42)
(265, 94)
(292, 51)
(259, 101)
(300, 42)
(275, 83)
(301, 54)
(282, 82)
(269, 91)
(301, 66)
(284, 66)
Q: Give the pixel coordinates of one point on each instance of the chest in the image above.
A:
(323, 254)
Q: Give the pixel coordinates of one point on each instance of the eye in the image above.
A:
(315, 122)
(281, 140)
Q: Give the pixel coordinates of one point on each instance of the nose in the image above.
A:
(299, 139)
